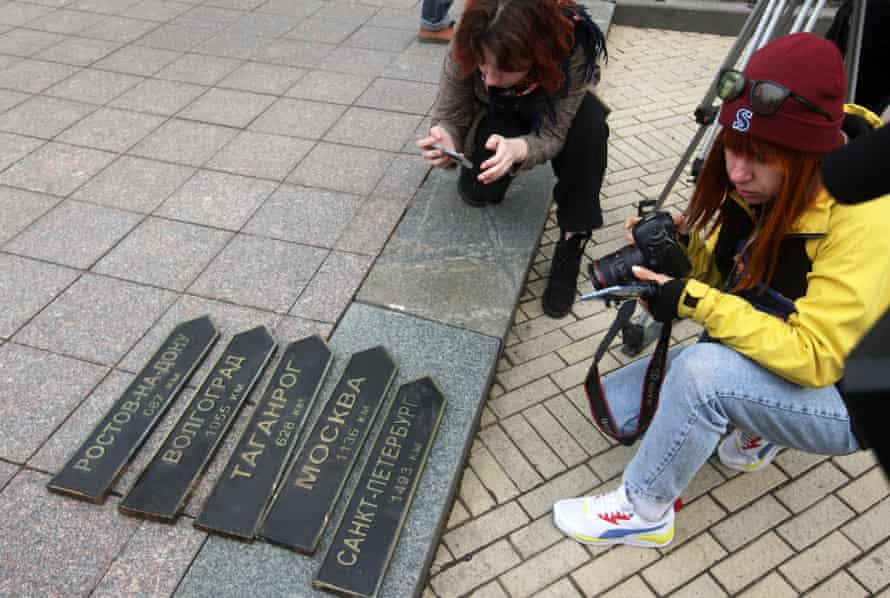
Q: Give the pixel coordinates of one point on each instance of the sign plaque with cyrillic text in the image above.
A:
(303, 504)
(236, 504)
(165, 485)
(93, 468)
(369, 529)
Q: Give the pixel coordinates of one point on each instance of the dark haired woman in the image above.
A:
(785, 282)
(514, 93)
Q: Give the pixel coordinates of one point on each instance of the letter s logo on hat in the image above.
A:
(742, 120)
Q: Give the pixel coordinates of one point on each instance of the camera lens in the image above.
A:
(614, 268)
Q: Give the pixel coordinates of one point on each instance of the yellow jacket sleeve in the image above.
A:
(848, 289)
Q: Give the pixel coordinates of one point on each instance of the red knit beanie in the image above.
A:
(808, 65)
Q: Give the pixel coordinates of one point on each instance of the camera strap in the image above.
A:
(596, 396)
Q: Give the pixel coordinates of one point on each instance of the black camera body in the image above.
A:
(655, 247)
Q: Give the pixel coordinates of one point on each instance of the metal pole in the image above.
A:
(854, 46)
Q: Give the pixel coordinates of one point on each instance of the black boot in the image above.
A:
(560, 293)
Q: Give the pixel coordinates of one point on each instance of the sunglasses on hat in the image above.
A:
(765, 97)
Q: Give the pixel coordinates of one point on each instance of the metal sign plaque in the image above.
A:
(236, 504)
(163, 488)
(303, 504)
(95, 466)
(369, 530)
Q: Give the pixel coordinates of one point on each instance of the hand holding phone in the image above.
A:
(456, 156)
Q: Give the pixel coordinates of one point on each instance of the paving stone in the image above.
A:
(867, 490)
(695, 517)
(318, 29)
(458, 515)
(217, 199)
(871, 527)
(332, 287)
(381, 38)
(34, 76)
(572, 483)
(748, 564)
(81, 540)
(301, 9)
(693, 558)
(856, 463)
(701, 586)
(533, 446)
(579, 425)
(517, 467)
(19, 208)
(523, 397)
(181, 36)
(357, 61)
(557, 437)
(819, 561)
(227, 107)
(26, 42)
(96, 318)
(873, 570)
(232, 43)
(530, 371)
(19, 13)
(706, 479)
(14, 147)
(7, 472)
(257, 23)
(56, 168)
(93, 86)
(613, 462)
(358, 169)
(137, 60)
(773, 586)
(74, 234)
(817, 521)
(484, 565)
(58, 448)
(257, 77)
(403, 177)
(610, 568)
(290, 329)
(65, 21)
(537, 347)
(284, 268)
(794, 462)
(111, 129)
(153, 561)
(299, 118)
(120, 29)
(156, 10)
(27, 286)
(261, 155)
(752, 521)
(839, 585)
(134, 184)
(743, 489)
(484, 530)
(492, 476)
(284, 214)
(329, 86)
(474, 494)
(9, 98)
(163, 253)
(632, 588)
(395, 18)
(43, 117)
(184, 142)
(293, 52)
(372, 225)
(159, 97)
(40, 389)
(215, 13)
(491, 590)
(812, 486)
(415, 67)
(373, 128)
(544, 568)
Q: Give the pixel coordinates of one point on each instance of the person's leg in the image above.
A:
(435, 24)
(710, 387)
(579, 168)
(475, 193)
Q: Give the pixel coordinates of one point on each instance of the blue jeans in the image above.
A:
(434, 14)
(708, 388)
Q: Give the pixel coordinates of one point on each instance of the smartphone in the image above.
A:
(457, 157)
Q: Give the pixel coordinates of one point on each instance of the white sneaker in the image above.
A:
(610, 519)
(746, 452)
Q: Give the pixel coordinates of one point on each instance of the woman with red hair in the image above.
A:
(514, 93)
(785, 282)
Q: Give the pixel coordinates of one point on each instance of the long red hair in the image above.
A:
(520, 34)
(799, 188)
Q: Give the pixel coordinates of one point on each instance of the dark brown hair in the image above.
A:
(799, 188)
(520, 34)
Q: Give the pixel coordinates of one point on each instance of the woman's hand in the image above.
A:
(646, 274)
(507, 152)
(631, 221)
(436, 158)
(662, 305)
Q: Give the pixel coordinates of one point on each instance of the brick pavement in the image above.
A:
(805, 525)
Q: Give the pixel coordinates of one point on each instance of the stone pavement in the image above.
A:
(806, 525)
(250, 159)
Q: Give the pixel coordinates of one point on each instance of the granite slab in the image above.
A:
(461, 362)
(458, 264)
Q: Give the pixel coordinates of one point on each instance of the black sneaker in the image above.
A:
(560, 293)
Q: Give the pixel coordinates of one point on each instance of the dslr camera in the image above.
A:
(655, 247)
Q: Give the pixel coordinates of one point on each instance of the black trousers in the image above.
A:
(579, 167)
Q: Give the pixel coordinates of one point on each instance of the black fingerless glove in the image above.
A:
(663, 305)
